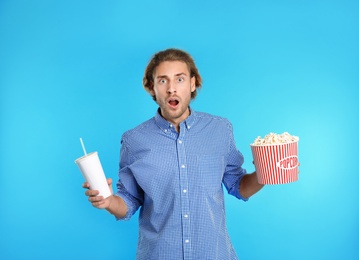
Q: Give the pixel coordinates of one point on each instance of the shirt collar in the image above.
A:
(165, 125)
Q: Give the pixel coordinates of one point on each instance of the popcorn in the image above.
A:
(275, 158)
(273, 139)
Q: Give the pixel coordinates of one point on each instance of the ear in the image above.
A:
(151, 89)
(193, 83)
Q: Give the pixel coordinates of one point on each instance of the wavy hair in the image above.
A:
(170, 55)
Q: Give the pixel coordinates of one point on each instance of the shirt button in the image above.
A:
(184, 191)
(183, 166)
(180, 141)
(186, 216)
(186, 241)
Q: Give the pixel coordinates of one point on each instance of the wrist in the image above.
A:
(110, 199)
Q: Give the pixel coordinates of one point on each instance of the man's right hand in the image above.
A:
(98, 201)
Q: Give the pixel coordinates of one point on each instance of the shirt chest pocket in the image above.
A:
(210, 170)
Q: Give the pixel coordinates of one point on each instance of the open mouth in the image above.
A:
(173, 102)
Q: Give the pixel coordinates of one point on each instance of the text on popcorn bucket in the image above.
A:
(288, 163)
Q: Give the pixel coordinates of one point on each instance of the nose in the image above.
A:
(171, 88)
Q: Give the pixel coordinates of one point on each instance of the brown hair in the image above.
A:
(170, 55)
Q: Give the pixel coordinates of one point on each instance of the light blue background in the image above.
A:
(71, 69)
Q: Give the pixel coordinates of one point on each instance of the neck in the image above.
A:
(177, 120)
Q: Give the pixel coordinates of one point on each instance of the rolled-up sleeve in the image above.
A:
(234, 172)
(127, 186)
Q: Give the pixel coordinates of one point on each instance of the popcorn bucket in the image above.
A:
(276, 163)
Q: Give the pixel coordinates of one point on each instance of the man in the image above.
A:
(172, 167)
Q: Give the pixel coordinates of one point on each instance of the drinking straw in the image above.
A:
(83, 146)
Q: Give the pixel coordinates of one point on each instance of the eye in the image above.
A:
(180, 79)
(162, 81)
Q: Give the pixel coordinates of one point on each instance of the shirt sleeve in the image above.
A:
(234, 172)
(127, 186)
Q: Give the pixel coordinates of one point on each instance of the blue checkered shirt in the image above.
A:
(176, 181)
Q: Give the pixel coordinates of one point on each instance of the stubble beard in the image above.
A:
(173, 115)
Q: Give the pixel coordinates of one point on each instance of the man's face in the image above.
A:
(172, 88)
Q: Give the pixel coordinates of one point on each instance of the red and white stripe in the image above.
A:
(276, 164)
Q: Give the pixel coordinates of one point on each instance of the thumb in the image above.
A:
(109, 182)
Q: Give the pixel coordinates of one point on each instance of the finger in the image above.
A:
(92, 193)
(86, 185)
(96, 199)
(98, 204)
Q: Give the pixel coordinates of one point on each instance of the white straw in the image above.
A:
(83, 146)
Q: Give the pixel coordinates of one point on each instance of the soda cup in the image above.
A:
(91, 168)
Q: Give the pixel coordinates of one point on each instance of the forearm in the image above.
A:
(249, 185)
(117, 207)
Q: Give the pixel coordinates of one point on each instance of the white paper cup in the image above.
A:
(276, 164)
(91, 168)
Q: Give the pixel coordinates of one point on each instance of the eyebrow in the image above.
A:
(176, 75)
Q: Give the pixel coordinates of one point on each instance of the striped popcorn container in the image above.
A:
(276, 163)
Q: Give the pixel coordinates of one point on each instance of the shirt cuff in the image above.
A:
(129, 205)
(236, 193)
